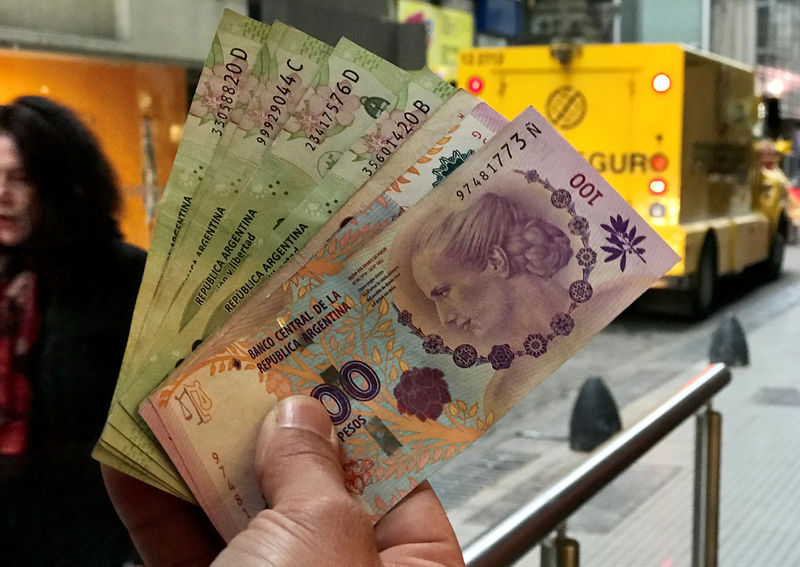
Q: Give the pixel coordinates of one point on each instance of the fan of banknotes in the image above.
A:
(338, 227)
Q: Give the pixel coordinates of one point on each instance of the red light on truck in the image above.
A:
(475, 85)
(658, 186)
(659, 162)
(661, 83)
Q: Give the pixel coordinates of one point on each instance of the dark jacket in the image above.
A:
(54, 507)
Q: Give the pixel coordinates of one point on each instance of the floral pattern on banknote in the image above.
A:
(211, 97)
(249, 87)
(422, 392)
(388, 133)
(623, 242)
(266, 105)
(313, 117)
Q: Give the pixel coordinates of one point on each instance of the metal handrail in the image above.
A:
(512, 538)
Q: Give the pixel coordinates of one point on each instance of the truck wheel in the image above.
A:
(771, 268)
(705, 280)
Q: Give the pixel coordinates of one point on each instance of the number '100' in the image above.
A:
(362, 390)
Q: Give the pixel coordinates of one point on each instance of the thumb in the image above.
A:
(311, 517)
(297, 456)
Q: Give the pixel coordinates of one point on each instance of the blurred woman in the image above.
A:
(68, 284)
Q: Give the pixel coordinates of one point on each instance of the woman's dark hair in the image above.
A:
(76, 188)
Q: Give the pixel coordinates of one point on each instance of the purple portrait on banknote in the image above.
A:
(496, 279)
(490, 272)
(483, 266)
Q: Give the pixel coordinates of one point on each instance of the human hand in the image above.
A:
(312, 520)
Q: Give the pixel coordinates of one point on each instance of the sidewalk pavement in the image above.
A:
(644, 518)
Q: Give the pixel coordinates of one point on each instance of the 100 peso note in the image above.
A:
(426, 335)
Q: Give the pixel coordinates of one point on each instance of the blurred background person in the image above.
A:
(68, 285)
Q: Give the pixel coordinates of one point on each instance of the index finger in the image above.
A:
(164, 529)
(418, 527)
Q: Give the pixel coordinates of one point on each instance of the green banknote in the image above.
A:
(353, 87)
(237, 40)
(358, 163)
(285, 67)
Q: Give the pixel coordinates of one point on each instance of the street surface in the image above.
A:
(643, 357)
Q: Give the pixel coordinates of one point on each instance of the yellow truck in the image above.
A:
(671, 129)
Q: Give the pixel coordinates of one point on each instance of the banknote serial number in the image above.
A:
(231, 487)
(402, 129)
(233, 77)
(497, 162)
(270, 126)
(332, 108)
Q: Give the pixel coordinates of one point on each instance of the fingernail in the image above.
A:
(305, 412)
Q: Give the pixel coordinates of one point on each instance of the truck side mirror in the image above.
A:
(772, 118)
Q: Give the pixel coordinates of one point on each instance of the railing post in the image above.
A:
(708, 436)
(534, 521)
(560, 551)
